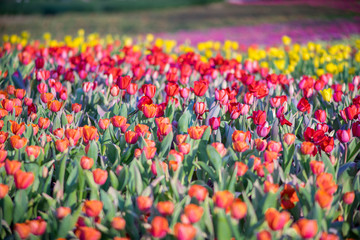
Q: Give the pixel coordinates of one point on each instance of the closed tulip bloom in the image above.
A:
(270, 156)
(351, 112)
(289, 138)
(4, 189)
(144, 203)
(260, 144)
(356, 129)
(320, 115)
(196, 132)
(326, 182)
(241, 136)
(306, 228)
(198, 192)
(184, 148)
(317, 167)
(118, 223)
(270, 187)
(223, 199)
(149, 90)
(240, 146)
(323, 198)
(149, 152)
(165, 208)
(90, 133)
(23, 179)
(184, 231)
(159, 227)
(259, 117)
(33, 151)
(348, 197)
(344, 135)
(263, 235)
(200, 108)
(62, 144)
(149, 110)
(123, 82)
(180, 138)
(131, 137)
(132, 88)
(100, 176)
(238, 209)
(328, 236)
(11, 167)
(118, 121)
(220, 148)
(43, 123)
(214, 123)
(23, 229)
(54, 105)
(17, 142)
(16, 128)
(193, 212)
(92, 208)
(241, 168)
(76, 107)
(88, 233)
(276, 220)
(62, 212)
(104, 123)
(200, 88)
(37, 226)
(308, 148)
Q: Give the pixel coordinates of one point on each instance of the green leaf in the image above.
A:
(223, 230)
(93, 151)
(353, 150)
(8, 207)
(166, 144)
(214, 157)
(21, 205)
(184, 121)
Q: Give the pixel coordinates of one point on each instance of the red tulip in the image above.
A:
(184, 231)
(276, 220)
(100, 176)
(118, 223)
(306, 228)
(23, 179)
(159, 227)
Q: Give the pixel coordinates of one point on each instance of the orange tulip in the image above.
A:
(17, 142)
(198, 192)
(149, 152)
(349, 197)
(289, 138)
(238, 209)
(3, 136)
(325, 182)
(184, 148)
(54, 105)
(193, 212)
(4, 189)
(73, 135)
(16, 128)
(263, 235)
(184, 231)
(104, 123)
(86, 162)
(100, 176)
(317, 167)
(46, 97)
(59, 132)
(37, 226)
(144, 203)
(223, 199)
(33, 151)
(165, 208)
(23, 229)
(3, 155)
(240, 146)
(241, 168)
(196, 132)
(11, 167)
(131, 137)
(23, 179)
(241, 136)
(276, 220)
(149, 110)
(88, 233)
(270, 187)
(62, 212)
(306, 228)
(220, 148)
(43, 123)
(323, 198)
(328, 236)
(118, 223)
(90, 133)
(159, 227)
(180, 138)
(92, 208)
(62, 144)
(118, 121)
(76, 107)
(308, 148)
(141, 129)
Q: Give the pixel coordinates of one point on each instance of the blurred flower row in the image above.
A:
(117, 138)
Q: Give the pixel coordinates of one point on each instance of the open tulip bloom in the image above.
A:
(128, 139)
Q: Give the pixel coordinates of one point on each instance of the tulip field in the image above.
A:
(146, 138)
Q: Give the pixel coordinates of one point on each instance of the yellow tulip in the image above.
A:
(326, 94)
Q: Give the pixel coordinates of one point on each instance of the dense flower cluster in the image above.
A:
(129, 140)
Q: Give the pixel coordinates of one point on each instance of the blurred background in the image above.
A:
(246, 21)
